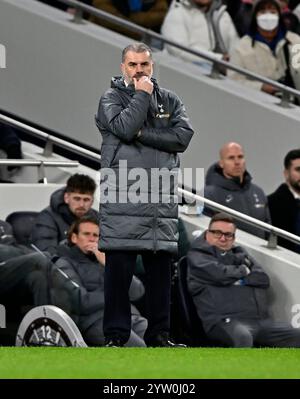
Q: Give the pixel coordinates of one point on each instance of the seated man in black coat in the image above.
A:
(83, 263)
(229, 291)
(230, 184)
(284, 202)
(66, 205)
(23, 272)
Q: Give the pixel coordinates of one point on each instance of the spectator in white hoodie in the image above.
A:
(200, 25)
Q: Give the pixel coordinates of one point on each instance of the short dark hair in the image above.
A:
(136, 48)
(74, 228)
(290, 156)
(260, 5)
(221, 217)
(82, 184)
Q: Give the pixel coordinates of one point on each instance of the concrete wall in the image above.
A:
(56, 72)
(28, 197)
(24, 197)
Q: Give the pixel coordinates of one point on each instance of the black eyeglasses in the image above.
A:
(218, 234)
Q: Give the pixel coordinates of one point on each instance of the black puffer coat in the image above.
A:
(84, 300)
(123, 112)
(212, 278)
(284, 210)
(245, 197)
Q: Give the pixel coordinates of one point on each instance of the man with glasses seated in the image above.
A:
(229, 289)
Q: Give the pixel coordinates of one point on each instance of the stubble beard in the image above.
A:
(295, 186)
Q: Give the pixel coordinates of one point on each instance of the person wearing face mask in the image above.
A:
(201, 25)
(267, 49)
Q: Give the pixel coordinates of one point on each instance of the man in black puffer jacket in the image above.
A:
(143, 127)
(284, 202)
(66, 205)
(230, 184)
(84, 264)
(23, 272)
(229, 289)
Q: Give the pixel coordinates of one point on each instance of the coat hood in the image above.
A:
(117, 82)
(75, 253)
(201, 244)
(57, 199)
(216, 4)
(215, 177)
(58, 205)
(69, 251)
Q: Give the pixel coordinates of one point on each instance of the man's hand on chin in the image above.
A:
(143, 83)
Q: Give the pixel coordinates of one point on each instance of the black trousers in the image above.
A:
(249, 333)
(119, 268)
(93, 336)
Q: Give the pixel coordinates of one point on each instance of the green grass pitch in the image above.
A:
(148, 363)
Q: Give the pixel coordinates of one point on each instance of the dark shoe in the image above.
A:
(114, 343)
(163, 341)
